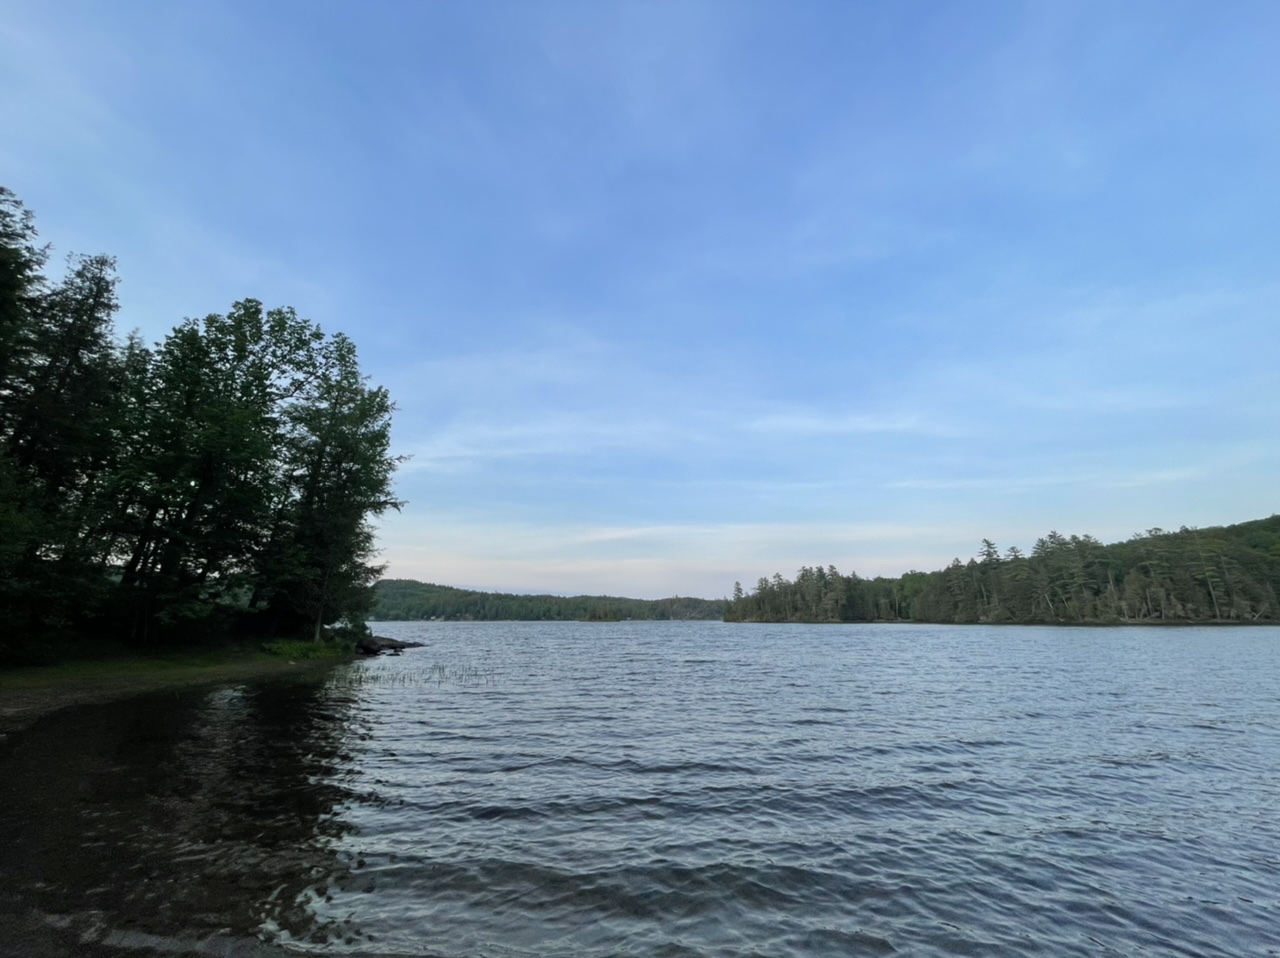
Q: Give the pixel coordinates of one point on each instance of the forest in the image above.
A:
(400, 599)
(1228, 574)
(220, 481)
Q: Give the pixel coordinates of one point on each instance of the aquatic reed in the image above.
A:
(373, 675)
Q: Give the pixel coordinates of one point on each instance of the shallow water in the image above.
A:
(519, 789)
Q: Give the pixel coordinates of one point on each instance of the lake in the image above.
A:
(670, 789)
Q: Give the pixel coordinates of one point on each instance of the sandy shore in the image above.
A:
(27, 694)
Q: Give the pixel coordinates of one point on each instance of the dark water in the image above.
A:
(682, 789)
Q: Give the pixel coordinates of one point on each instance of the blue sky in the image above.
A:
(671, 295)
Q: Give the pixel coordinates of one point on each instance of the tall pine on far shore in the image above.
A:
(221, 480)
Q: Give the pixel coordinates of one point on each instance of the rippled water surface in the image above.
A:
(519, 789)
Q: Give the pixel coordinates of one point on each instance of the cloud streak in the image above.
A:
(670, 295)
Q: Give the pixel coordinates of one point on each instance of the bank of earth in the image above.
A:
(26, 694)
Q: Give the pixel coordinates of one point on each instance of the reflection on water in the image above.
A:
(213, 813)
(682, 789)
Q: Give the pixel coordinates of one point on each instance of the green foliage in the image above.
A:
(223, 478)
(337, 453)
(405, 599)
(305, 649)
(348, 633)
(1223, 574)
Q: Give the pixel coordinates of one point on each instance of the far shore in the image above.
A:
(29, 693)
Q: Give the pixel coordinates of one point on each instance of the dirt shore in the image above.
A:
(29, 693)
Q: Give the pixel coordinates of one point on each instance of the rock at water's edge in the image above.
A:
(376, 644)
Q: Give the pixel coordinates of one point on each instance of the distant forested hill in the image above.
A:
(400, 599)
(1220, 574)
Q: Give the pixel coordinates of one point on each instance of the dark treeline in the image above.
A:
(1222, 574)
(401, 599)
(221, 479)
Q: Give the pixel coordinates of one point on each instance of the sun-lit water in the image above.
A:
(681, 789)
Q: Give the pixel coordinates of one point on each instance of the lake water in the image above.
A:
(670, 789)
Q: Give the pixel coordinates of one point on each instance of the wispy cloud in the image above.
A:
(654, 560)
(670, 295)
(1123, 479)
(799, 424)
(555, 434)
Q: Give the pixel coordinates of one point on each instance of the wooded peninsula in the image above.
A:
(1227, 574)
(216, 484)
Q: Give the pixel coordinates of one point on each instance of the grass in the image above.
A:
(299, 649)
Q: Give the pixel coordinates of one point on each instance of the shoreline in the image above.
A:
(28, 694)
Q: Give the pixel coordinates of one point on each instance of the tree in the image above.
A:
(208, 473)
(21, 279)
(61, 404)
(56, 405)
(145, 488)
(21, 282)
(339, 471)
(1230, 573)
